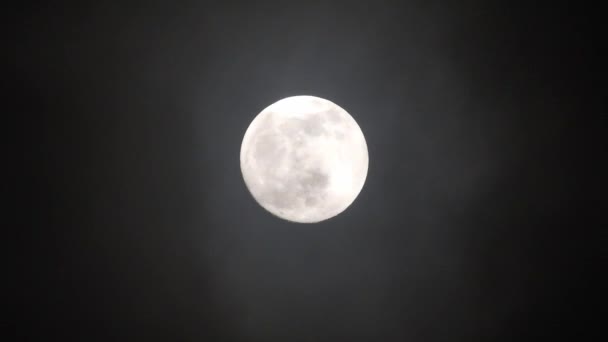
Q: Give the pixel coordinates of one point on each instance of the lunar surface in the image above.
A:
(304, 159)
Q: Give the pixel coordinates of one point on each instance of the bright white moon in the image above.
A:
(304, 159)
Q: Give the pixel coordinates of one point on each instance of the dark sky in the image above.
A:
(483, 125)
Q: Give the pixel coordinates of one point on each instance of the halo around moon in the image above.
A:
(304, 159)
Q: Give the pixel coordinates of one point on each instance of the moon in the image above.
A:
(304, 159)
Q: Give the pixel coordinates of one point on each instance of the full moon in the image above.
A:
(304, 159)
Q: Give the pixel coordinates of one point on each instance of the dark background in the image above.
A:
(483, 124)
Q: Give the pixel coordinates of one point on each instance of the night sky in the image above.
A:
(483, 125)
